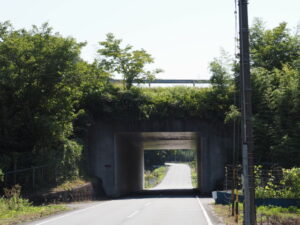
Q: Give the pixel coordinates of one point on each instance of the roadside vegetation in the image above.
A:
(284, 184)
(154, 177)
(14, 209)
(273, 184)
(70, 184)
(194, 175)
(266, 215)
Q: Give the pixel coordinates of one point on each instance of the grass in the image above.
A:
(267, 215)
(154, 177)
(194, 174)
(69, 185)
(14, 209)
(12, 212)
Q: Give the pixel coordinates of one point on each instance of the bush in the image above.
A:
(287, 187)
(67, 159)
(160, 103)
(12, 199)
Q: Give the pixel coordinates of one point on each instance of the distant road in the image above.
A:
(142, 210)
(177, 177)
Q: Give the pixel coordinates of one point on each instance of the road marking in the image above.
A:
(204, 212)
(72, 213)
(147, 204)
(133, 214)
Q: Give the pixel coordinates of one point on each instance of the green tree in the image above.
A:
(125, 61)
(39, 93)
(221, 95)
(275, 78)
(274, 47)
(220, 78)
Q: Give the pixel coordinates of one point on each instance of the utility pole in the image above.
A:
(246, 125)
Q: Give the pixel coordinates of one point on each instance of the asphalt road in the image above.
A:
(143, 210)
(177, 177)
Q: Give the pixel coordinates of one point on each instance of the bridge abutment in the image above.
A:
(116, 151)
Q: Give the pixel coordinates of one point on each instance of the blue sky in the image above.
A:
(183, 36)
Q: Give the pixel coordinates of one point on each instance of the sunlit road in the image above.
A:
(142, 210)
(177, 177)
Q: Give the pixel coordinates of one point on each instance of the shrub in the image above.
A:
(287, 187)
(12, 199)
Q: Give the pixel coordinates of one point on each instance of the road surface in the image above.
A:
(143, 210)
(177, 177)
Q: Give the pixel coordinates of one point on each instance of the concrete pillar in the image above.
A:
(101, 156)
(204, 168)
(211, 163)
(129, 164)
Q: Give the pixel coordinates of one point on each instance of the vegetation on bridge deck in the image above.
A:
(49, 96)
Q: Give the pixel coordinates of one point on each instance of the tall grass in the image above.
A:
(15, 209)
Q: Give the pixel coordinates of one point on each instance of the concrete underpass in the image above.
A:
(116, 152)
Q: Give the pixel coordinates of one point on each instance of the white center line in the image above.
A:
(133, 214)
(204, 212)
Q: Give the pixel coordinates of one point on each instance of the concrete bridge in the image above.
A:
(116, 150)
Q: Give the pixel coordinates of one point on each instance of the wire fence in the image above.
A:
(263, 177)
(268, 181)
(233, 177)
(30, 178)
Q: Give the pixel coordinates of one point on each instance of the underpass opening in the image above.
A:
(171, 169)
(131, 149)
(116, 151)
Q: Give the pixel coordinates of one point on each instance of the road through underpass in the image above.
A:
(143, 210)
(177, 177)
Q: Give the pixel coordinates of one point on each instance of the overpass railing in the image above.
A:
(168, 81)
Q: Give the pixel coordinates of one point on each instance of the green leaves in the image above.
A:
(276, 79)
(233, 114)
(38, 86)
(125, 61)
(272, 49)
(268, 186)
(158, 103)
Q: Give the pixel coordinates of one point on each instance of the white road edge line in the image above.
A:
(204, 212)
(133, 214)
(72, 213)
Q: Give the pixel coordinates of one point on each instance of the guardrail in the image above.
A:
(168, 81)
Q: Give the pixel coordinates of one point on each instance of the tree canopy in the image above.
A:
(125, 61)
(276, 90)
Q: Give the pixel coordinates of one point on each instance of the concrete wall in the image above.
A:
(116, 152)
(129, 164)
(212, 156)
